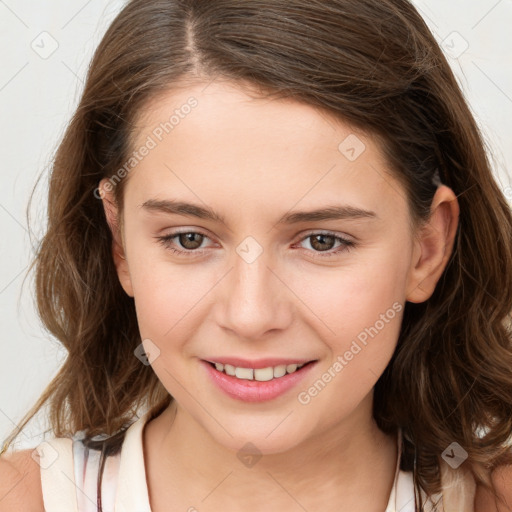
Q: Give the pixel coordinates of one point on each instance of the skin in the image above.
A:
(254, 160)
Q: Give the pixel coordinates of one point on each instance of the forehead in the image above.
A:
(230, 105)
(218, 140)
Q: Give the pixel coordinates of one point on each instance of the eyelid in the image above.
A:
(347, 243)
(299, 238)
(344, 236)
(178, 231)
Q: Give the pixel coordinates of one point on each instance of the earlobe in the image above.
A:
(118, 251)
(433, 246)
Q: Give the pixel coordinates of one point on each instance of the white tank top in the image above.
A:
(69, 474)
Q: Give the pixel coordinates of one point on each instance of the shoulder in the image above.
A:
(502, 480)
(20, 482)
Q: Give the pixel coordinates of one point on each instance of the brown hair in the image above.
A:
(371, 63)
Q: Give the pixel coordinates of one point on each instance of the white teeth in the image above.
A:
(230, 370)
(264, 374)
(279, 371)
(259, 374)
(244, 373)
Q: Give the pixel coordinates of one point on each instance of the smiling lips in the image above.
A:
(259, 374)
(262, 370)
(256, 381)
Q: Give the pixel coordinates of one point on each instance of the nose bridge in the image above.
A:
(256, 300)
(252, 281)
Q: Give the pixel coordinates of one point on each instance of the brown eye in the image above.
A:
(326, 245)
(322, 242)
(185, 243)
(190, 240)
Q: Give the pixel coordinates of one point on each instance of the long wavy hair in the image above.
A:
(375, 65)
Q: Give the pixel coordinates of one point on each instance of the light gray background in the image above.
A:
(39, 90)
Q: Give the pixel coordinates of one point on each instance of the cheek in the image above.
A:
(360, 311)
(358, 307)
(355, 293)
(169, 298)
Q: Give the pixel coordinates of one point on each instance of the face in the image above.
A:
(248, 275)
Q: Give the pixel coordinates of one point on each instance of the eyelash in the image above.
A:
(346, 245)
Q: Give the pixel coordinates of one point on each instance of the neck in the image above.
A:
(347, 467)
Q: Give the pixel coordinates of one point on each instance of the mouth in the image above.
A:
(260, 374)
(257, 381)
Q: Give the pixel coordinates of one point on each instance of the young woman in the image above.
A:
(282, 269)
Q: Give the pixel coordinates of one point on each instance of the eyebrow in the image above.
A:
(336, 212)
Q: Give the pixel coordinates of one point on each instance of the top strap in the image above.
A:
(57, 475)
(132, 492)
(69, 476)
(87, 467)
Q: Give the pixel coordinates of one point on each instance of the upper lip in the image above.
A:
(257, 363)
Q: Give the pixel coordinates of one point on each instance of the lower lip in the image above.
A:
(253, 390)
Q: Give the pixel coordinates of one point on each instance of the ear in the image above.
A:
(433, 245)
(118, 250)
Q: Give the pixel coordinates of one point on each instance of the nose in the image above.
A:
(255, 299)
